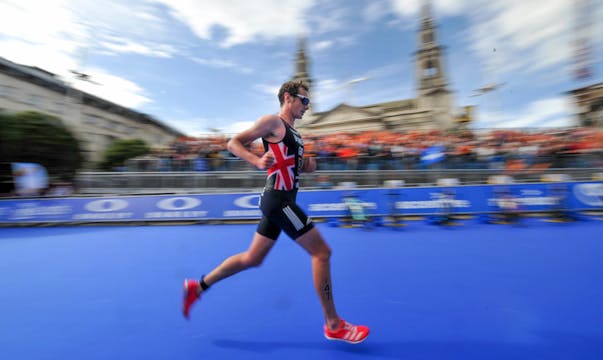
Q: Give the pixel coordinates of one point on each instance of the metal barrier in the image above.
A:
(252, 180)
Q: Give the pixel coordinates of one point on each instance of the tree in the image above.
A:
(121, 150)
(39, 138)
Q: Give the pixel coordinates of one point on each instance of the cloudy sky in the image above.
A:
(199, 65)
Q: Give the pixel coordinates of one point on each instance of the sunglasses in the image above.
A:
(304, 99)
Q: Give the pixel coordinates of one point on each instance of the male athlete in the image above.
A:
(283, 157)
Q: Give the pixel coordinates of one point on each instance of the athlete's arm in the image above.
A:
(309, 164)
(264, 127)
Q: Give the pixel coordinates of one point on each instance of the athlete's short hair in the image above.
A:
(292, 87)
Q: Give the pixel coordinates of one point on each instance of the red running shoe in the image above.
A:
(347, 332)
(189, 295)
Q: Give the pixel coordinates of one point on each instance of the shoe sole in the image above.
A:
(347, 341)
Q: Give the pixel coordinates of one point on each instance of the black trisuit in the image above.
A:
(277, 201)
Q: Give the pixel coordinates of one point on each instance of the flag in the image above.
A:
(30, 178)
(432, 155)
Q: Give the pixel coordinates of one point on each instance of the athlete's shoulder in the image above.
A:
(272, 127)
(270, 119)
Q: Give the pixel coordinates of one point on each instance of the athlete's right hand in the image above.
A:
(266, 161)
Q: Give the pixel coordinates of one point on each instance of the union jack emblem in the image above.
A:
(283, 168)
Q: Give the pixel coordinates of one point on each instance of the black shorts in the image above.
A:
(281, 212)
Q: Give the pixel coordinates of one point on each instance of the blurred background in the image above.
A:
(142, 96)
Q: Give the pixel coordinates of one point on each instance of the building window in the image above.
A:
(108, 140)
(8, 92)
(431, 68)
(36, 101)
(114, 125)
(106, 123)
(90, 119)
(98, 121)
(428, 37)
(59, 107)
(130, 130)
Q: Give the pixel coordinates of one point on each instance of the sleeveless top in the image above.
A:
(288, 160)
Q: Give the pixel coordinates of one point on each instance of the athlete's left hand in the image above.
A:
(309, 165)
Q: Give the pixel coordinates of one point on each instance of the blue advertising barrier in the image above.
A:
(319, 203)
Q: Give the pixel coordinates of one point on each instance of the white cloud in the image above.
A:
(328, 18)
(508, 35)
(61, 33)
(271, 90)
(546, 113)
(223, 64)
(243, 20)
(113, 88)
(525, 34)
(200, 127)
(358, 89)
(406, 8)
(58, 62)
(388, 71)
(203, 127)
(236, 127)
(53, 37)
(190, 127)
(440, 8)
(328, 93)
(322, 45)
(37, 21)
(121, 45)
(375, 10)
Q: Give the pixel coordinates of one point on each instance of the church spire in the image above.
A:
(430, 72)
(432, 81)
(426, 12)
(301, 62)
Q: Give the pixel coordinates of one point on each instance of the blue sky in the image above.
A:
(207, 64)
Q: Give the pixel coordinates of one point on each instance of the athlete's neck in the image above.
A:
(288, 119)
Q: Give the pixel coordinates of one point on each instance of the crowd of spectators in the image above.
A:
(512, 152)
(510, 149)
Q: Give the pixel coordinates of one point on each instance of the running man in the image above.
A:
(283, 158)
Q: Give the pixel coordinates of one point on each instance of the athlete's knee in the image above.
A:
(323, 253)
(314, 244)
(250, 260)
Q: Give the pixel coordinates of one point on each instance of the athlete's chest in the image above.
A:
(289, 139)
(293, 139)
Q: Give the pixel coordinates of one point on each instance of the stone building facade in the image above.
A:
(94, 121)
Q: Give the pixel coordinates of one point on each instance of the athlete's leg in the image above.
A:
(252, 257)
(313, 242)
(255, 254)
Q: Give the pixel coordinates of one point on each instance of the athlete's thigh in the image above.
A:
(260, 246)
(313, 242)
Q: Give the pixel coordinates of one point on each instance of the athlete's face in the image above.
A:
(300, 103)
